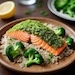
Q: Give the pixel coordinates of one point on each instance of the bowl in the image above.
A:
(51, 7)
(36, 68)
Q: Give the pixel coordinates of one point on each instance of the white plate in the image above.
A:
(51, 7)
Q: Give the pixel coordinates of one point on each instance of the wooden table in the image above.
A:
(20, 13)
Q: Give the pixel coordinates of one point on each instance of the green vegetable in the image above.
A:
(12, 52)
(60, 31)
(28, 12)
(69, 41)
(72, 5)
(73, 8)
(29, 52)
(59, 4)
(68, 11)
(19, 46)
(70, 8)
(33, 57)
(67, 6)
(43, 12)
(9, 52)
(39, 29)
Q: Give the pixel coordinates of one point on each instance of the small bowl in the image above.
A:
(36, 68)
(51, 7)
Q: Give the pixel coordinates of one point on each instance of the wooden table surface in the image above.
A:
(20, 13)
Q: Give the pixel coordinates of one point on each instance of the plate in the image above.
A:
(51, 7)
(36, 68)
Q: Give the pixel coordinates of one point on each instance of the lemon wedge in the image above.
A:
(7, 9)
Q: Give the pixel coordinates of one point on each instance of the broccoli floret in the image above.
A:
(37, 60)
(72, 5)
(29, 52)
(70, 8)
(68, 11)
(12, 52)
(60, 31)
(69, 41)
(33, 57)
(9, 50)
(59, 4)
(19, 46)
(67, 6)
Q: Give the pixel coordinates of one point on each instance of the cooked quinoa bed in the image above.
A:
(5, 41)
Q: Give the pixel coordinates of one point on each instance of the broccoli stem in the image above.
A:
(31, 57)
(28, 63)
(72, 6)
(70, 13)
(15, 54)
(31, 61)
(16, 48)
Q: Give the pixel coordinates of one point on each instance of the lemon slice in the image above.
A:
(7, 9)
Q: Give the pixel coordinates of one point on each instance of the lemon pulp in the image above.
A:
(7, 9)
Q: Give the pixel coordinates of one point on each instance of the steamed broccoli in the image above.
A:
(68, 11)
(71, 8)
(12, 52)
(33, 57)
(69, 41)
(19, 46)
(59, 4)
(67, 6)
(60, 31)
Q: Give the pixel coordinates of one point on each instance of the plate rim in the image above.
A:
(21, 19)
